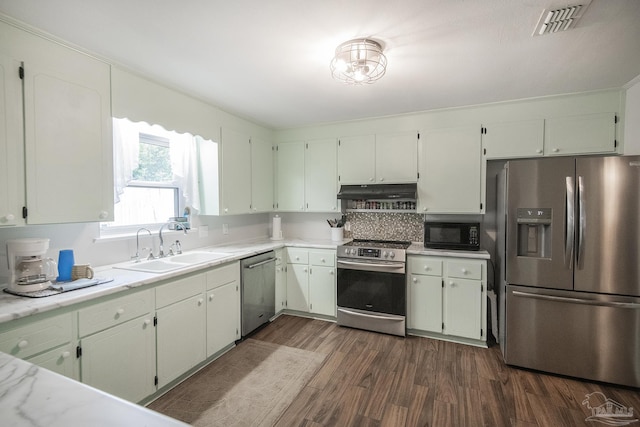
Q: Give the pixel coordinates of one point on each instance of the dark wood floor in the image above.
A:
(371, 379)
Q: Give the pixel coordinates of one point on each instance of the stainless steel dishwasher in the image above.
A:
(258, 290)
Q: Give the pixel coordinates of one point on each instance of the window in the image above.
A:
(154, 174)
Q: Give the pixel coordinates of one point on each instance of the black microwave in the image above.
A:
(452, 235)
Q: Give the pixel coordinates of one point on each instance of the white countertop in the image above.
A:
(33, 396)
(14, 307)
(419, 249)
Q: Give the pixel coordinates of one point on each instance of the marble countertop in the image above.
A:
(33, 396)
(419, 249)
(15, 307)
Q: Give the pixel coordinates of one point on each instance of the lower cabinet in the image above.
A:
(118, 346)
(311, 281)
(223, 307)
(181, 337)
(447, 296)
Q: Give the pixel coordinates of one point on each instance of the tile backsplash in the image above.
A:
(386, 226)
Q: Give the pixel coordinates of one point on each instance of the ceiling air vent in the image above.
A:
(560, 19)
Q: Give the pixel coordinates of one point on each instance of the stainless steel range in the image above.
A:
(372, 286)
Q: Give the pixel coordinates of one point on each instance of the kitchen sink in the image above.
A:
(172, 263)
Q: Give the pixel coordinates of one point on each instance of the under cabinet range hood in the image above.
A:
(378, 192)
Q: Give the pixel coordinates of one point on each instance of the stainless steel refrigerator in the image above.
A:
(570, 266)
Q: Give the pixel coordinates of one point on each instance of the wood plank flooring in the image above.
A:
(371, 379)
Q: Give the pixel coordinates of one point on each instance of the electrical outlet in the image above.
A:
(225, 228)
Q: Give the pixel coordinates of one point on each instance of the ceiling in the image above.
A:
(268, 61)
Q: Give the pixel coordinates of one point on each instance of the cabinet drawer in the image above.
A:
(326, 258)
(223, 275)
(297, 256)
(466, 269)
(179, 290)
(426, 266)
(110, 313)
(36, 337)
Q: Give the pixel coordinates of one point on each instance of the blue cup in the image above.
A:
(65, 265)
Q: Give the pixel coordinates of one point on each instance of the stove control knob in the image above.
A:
(385, 254)
(392, 255)
(353, 251)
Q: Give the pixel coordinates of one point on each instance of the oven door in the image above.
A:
(372, 286)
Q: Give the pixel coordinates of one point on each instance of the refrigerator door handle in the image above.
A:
(577, 300)
(581, 223)
(569, 223)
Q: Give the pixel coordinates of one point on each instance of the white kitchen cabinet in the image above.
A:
(584, 134)
(290, 176)
(223, 307)
(11, 144)
(311, 281)
(378, 159)
(447, 298)
(396, 157)
(180, 307)
(68, 150)
(281, 282)
(357, 159)
(261, 175)
(48, 342)
(118, 346)
(321, 186)
(518, 139)
(451, 171)
(306, 177)
(236, 172)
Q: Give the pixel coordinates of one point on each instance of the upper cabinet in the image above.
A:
(306, 176)
(451, 171)
(513, 139)
(247, 174)
(68, 152)
(11, 137)
(378, 159)
(584, 134)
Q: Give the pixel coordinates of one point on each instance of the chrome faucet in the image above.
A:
(179, 225)
(136, 257)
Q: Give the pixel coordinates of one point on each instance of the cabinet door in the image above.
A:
(60, 360)
(513, 139)
(68, 143)
(357, 160)
(223, 317)
(463, 308)
(425, 303)
(236, 172)
(290, 176)
(322, 290)
(320, 179)
(281, 288)
(181, 338)
(589, 133)
(397, 157)
(450, 171)
(298, 287)
(11, 146)
(261, 175)
(122, 360)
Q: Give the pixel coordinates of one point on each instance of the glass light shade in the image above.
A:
(358, 61)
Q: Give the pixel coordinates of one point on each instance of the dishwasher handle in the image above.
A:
(258, 264)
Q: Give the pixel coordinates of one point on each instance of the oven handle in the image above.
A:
(370, 266)
(369, 315)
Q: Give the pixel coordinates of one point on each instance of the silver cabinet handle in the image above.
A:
(577, 300)
(569, 223)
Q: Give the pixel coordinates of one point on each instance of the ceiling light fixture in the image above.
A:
(359, 61)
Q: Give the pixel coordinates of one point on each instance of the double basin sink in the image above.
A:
(174, 262)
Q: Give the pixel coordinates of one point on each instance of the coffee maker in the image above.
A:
(29, 270)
